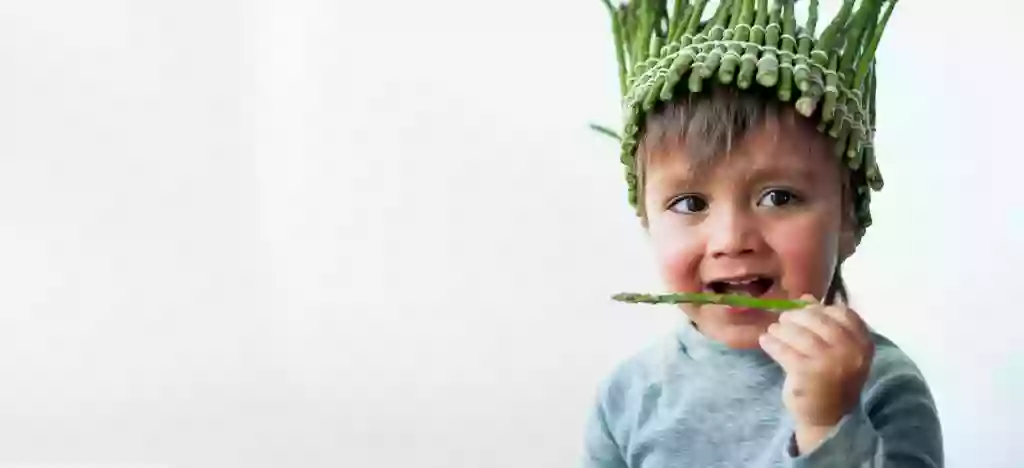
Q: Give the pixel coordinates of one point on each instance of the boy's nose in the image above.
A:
(731, 234)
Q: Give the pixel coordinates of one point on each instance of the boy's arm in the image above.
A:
(600, 449)
(895, 426)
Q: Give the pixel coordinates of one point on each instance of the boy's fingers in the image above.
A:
(823, 325)
(850, 321)
(813, 302)
(781, 352)
(798, 337)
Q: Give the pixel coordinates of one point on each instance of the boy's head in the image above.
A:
(747, 142)
(741, 194)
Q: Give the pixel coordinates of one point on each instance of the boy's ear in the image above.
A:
(848, 238)
(847, 243)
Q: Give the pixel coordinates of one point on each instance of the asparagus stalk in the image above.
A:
(863, 20)
(678, 9)
(684, 60)
(647, 46)
(741, 34)
(874, 176)
(732, 300)
(831, 34)
(831, 93)
(661, 22)
(683, 21)
(654, 89)
(716, 29)
(808, 102)
(605, 131)
(785, 90)
(693, 22)
(826, 46)
(869, 51)
(655, 48)
(859, 91)
(642, 41)
(801, 72)
(768, 66)
(619, 52)
(748, 65)
(842, 138)
(715, 56)
(631, 26)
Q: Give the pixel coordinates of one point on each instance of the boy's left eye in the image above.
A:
(777, 197)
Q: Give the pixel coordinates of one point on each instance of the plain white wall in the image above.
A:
(380, 234)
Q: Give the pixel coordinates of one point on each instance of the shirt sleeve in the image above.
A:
(895, 426)
(600, 448)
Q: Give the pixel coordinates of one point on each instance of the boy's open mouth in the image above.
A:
(754, 286)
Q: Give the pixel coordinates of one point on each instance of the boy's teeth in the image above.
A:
(750, 287)
(740, 282)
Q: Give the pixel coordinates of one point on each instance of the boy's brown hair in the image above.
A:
(706, 125)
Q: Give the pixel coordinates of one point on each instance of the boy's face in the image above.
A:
(766, 220)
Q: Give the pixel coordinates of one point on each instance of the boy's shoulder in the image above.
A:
(890, 358)
(648, 367)
(891, 367)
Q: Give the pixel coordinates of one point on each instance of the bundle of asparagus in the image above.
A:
(661, 51)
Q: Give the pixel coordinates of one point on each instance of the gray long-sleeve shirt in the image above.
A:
(693, 402)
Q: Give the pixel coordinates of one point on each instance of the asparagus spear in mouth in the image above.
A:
(733, 300)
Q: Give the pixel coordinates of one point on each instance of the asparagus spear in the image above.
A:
(856, 103)
(831, 34)
(716, 29)
(684, 60)
(831, 93)
(748, 67)
(678, 18)
(801, 72)
(733, 300)
(863, 20)
(710, 65)
(768, 65)
(683, 20)
(872, 173)
(829, 43)
(866, 70)
(619, 52)
(869, 52)
(808, 102)
(741, 29)
(785, 90)
(605, 131)
(642, 41)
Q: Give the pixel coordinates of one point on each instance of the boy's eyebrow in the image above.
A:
(678, 176)
(787, 171)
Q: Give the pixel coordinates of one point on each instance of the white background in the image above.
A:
(316, 233)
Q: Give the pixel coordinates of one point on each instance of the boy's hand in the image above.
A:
(826, 352)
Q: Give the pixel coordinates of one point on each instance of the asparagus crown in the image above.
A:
(662, 51)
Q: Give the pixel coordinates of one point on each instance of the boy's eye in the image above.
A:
(777, 197)
(688, 204)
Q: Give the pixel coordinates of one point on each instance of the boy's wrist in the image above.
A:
(808, 437)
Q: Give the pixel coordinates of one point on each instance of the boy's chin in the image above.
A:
(743, 333)
(742, 341)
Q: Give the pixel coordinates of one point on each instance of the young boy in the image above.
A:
(742, 193)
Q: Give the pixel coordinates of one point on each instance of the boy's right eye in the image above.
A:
(688, 204)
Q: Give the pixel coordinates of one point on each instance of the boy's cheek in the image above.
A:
(808, 270)
(679, 266)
